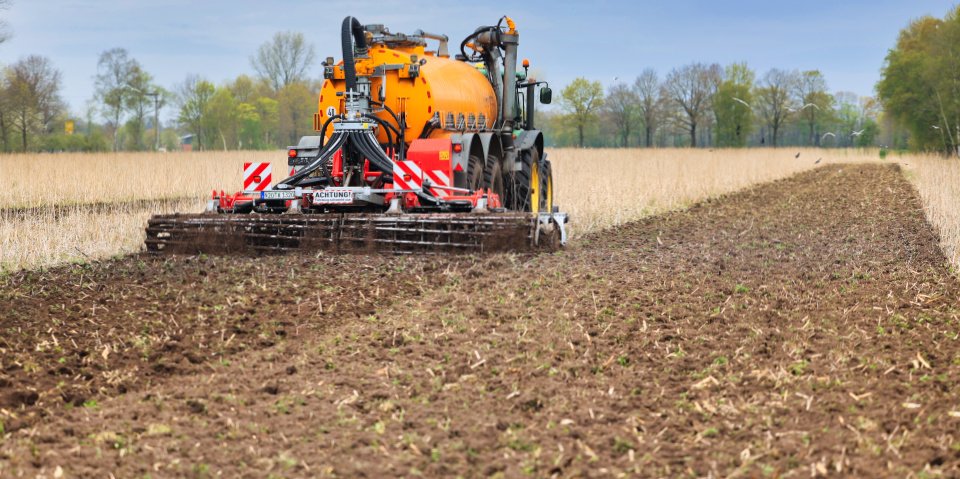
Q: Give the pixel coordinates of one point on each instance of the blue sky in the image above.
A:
(602, 39)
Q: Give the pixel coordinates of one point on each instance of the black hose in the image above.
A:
(323, 130)
(401, 126)
(336, 142)
(351, 32)
(386, 126)
(367, 144)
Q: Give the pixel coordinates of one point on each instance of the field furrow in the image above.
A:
(802, 327)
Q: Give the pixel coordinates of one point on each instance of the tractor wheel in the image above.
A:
(546, 187)
(525, 186)
(493, 177)
(475, 173)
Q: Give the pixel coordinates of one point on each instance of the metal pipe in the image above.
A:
(509, 105)
(531, 103)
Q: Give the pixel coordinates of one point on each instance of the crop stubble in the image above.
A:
(806, 325)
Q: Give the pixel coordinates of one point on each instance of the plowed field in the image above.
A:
(803, 327)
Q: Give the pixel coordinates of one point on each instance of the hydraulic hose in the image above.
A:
(352, 34)
(367, 144)
(387, 127)
(336, 142)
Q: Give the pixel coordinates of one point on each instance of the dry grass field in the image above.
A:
(95, 206)
(938, 182)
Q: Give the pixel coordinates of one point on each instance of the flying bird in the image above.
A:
(825, 135)
(857, 133)
(798, 155)
(818, 161)
(741, 101)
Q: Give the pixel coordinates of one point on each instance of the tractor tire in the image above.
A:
(524, 186)
(475, 173)
(493, 179)
(546, 187)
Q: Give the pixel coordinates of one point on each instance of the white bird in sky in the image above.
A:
(935, 127)
(825, 135)
(857, 133)
(741, 101)
(804, 107)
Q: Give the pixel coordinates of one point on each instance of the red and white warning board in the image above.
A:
(256, 176)
(407, 175)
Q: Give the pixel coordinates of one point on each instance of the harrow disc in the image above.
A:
(398, 234)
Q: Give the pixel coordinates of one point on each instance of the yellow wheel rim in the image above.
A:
(549, 193)
(534, 188)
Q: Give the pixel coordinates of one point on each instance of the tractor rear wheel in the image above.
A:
(525, 185)
(546, 187)
(475, 173)
(493, 177)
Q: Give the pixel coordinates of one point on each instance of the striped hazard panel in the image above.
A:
(407, 175)
(256, 176)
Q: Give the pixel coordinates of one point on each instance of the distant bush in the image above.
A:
(95, 142)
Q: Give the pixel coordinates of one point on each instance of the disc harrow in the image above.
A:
(338, 232)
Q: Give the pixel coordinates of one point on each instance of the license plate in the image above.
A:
(277, 195)
(332, 196)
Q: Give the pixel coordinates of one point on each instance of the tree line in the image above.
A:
(920, 84)
(270, 109)
(699, 105)
(707, 105)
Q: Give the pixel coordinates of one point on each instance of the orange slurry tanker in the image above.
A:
(415, 151)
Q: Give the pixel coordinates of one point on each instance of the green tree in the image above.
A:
(732, 106)
(221, 121)
(250, 127)
(919, 86)
(581, 99)
(297, 104)
(31, 97)
(269, 111)
(139, 103)
(193, 98)
(115, 70)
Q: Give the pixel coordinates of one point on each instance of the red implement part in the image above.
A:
(432, 157)
(228, 202)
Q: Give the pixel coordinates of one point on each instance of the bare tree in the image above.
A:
(4, 109)
(4, 29)
(621, 107)
(283, 60)
(691, 87)
(32, 97)
(115, 71)
(139, 99)
(811, 91)
(775, 100)
(650, 96)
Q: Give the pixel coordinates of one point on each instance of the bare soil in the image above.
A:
(806, 327)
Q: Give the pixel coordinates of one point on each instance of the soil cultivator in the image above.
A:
(415, 152)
